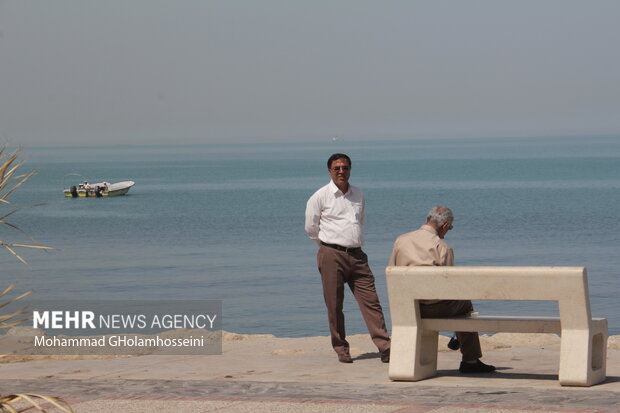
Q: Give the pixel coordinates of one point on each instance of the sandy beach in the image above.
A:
(257, 373)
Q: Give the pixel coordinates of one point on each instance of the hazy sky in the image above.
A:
(148, 71)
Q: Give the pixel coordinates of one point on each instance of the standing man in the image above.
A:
(335, 220)
(427, 247)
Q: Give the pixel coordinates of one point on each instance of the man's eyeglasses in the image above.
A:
(338, 168)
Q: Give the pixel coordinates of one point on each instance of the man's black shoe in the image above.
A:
(385, 356)
(477, 367)
(454, 343)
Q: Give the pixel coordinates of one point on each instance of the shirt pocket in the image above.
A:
(358, 210)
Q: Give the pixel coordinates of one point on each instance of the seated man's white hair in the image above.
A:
(439, 215)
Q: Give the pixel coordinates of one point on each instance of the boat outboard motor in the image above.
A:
(74, 193)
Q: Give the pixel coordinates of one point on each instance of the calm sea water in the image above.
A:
(226, 221)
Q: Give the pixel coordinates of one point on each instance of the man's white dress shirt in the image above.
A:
(336, 218)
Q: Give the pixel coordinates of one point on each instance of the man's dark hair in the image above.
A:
(335, 157)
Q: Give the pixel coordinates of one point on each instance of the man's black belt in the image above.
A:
(341, 248)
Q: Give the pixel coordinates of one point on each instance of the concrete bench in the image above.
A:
(583, 351)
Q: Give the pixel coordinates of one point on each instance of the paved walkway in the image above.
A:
(265, 374)
(238, 396)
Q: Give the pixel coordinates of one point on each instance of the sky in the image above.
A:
(109, 72)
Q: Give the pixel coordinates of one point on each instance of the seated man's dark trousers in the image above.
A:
(470, 343)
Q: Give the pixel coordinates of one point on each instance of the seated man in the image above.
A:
(427, 247)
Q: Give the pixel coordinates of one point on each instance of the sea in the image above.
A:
(226, 221)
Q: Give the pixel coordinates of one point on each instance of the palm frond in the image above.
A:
(8, 289)
(8, 320)
(15, 254)
(36, 243)
(12, 300)
(20, 183)
(9, 161)
(19, 209)
(7, 169)
(9, 182)
(13, 323)
(28, 402)
(40, 247)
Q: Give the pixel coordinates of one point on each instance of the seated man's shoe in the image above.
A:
(385, 356)
(454, 343)
(477, 367)
(345, 358)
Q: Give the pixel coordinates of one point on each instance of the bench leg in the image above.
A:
(413, 354)
(583, 356)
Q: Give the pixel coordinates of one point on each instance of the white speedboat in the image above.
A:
(99, 189)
